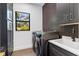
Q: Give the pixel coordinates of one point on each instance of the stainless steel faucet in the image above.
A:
(73, 34)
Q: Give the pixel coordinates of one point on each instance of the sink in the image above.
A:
(67, 44)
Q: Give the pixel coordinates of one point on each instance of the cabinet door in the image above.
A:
(45, 18)
(76, 15)
(71, 12)
(49, 17)
(67, 13)
(59, 7)
(64, 13)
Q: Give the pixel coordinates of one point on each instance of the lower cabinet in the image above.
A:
(54, 50)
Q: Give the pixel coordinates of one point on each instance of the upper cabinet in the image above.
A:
(71, 12)
(49, 17)
(61, 12)
(67, 12)
(55, 14)
(76, 12)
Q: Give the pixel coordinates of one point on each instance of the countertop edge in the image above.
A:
(74, 51)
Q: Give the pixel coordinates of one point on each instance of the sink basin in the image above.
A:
(67, 44)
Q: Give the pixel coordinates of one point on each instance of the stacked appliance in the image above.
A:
(37, 42)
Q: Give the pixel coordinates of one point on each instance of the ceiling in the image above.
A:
(38, 4)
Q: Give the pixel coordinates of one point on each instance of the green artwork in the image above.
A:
(22, 21)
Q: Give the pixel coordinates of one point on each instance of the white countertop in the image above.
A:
(67, 44)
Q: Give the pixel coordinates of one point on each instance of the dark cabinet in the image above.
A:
(67, 12)
(49, 17)
(6, 27)
(61, 12)
(76, 12)
(71, 13)
(54, 50)
(55, 14)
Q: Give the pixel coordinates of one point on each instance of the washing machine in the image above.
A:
(37, 43)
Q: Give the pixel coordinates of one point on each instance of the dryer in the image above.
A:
(37, 42)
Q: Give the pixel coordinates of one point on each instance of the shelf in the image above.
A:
(70, 24)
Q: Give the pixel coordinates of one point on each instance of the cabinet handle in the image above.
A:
(67, 17)
(70, 16)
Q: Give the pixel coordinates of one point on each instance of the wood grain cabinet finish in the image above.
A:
(49, 17)
(55, 14)
(61, 9)
(76, 12)
(68, 12)
(57, 51)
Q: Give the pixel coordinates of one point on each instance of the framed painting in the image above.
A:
(22, 21)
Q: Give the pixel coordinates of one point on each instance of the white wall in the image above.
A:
(23, 39)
